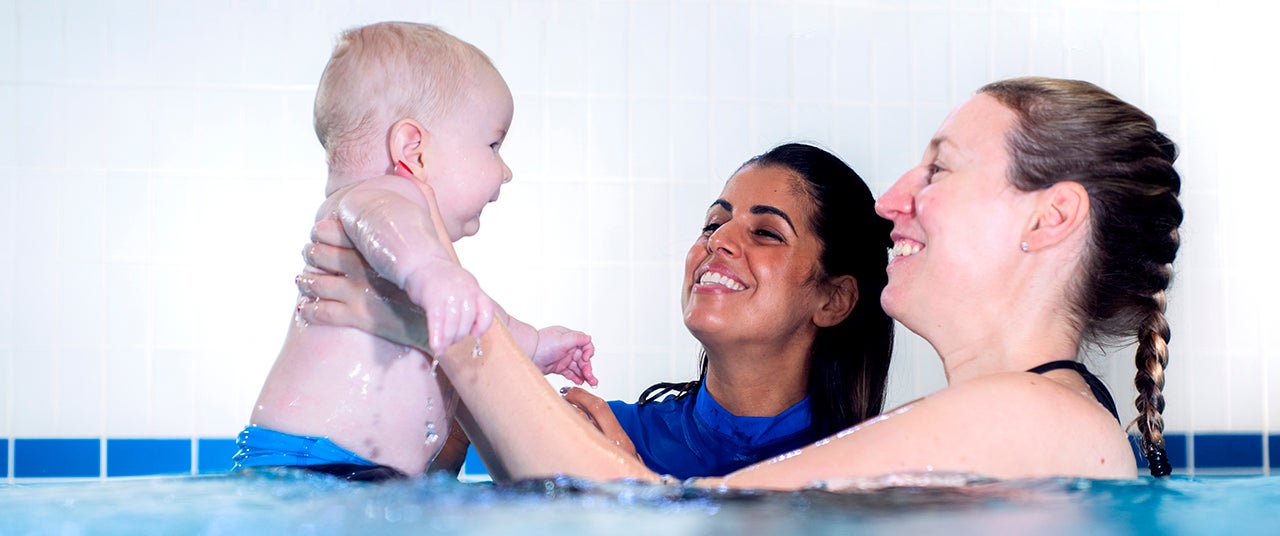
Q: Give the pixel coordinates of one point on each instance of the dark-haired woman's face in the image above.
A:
(749, 275)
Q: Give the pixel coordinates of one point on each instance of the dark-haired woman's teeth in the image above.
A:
(720, 279)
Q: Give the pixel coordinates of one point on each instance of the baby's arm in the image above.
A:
(387, 220)
(555, 349)
(347, 292)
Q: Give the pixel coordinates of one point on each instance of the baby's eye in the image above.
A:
(495, 146)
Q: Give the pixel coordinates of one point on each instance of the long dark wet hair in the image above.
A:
(849, 362)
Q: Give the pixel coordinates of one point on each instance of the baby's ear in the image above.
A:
(406, 143)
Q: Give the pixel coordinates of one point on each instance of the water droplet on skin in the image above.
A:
(477, 351)
(432, 436)
(431, 404)
(435, 363)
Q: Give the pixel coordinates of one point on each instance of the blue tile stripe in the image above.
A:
(215, 455)
(56, 458)
(80, 457)
(138, 457)
(1274, 441)
(1234, 451)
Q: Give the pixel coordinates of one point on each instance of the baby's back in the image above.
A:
(380, 400)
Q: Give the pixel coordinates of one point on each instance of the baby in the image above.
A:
(412, 100)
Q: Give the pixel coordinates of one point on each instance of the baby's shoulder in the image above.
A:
(372, 190)
(390, 184)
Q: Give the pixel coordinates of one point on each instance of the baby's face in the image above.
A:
(461, 155)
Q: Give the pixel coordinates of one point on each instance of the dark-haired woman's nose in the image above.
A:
(724, 241)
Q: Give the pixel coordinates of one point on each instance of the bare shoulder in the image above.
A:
(363, 193)
(1039, 398)
(1041, 427)
(385, 184)
(1009, 425)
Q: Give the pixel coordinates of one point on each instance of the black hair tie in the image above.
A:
(1158, 461)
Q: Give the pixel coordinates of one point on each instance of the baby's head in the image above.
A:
(398, 91)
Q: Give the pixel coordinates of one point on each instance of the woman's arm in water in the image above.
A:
(524, 422)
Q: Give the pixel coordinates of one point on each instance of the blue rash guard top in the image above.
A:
(696, 436)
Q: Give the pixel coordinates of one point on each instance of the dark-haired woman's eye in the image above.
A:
(710, 228)
(768, 234)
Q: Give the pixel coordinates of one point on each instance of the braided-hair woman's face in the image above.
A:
(957, 222)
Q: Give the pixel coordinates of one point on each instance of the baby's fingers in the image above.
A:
(435, 325)
(451, 327)
(589, 375)
(483, 315)
(572, 373)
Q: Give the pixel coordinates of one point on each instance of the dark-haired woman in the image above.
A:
(783, 291)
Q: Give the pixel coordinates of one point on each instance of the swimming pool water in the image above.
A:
(292, 503)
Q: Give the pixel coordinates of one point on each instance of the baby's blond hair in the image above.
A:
(382, 73)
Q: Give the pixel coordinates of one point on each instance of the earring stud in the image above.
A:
(1026, 247)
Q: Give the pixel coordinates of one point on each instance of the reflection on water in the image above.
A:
(294, 503)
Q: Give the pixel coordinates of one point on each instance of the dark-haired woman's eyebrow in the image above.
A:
(766, 209)
(727, 206)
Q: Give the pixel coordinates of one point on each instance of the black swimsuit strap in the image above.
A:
(1099, 389)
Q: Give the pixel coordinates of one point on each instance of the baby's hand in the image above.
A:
(565, 352)
(453, 301)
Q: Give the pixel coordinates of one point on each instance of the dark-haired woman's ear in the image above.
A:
(842, 296)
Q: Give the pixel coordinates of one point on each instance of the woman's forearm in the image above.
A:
(524, 422)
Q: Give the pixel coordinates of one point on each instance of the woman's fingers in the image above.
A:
(600, 413)
(328, 313)
(326, 287)
(336, 260)
(329, 231)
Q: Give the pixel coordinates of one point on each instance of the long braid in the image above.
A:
(1151, 359)
(1070, 130)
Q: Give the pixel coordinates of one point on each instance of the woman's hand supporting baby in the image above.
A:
(596, 411)
(348, 292)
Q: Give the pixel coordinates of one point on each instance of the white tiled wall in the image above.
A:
(158, 174)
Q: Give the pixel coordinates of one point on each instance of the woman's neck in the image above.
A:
(757, 384)
(1014, 342)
